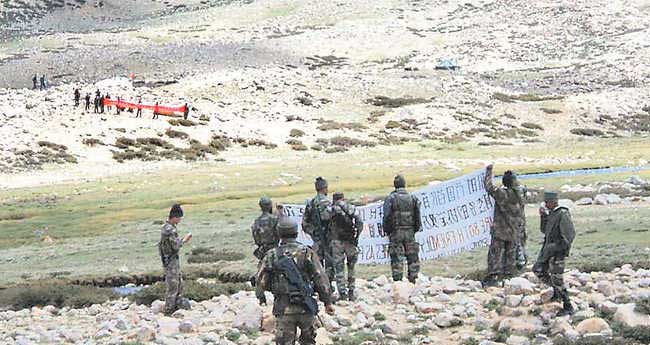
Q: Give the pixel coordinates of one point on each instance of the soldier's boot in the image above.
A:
(567, 308)
(413, 279)
(397, 277)
(351, 297)
(343, 296)
(489, 281)
(184, 304)
(556, 296)
(253, 280)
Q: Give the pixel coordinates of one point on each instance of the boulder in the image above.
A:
(447, 320)
(600, 199)
(546, 295)
(517, 340)
(146, 334)
(605, 287)
(401, 292)
(518, 286)
(626, 315)
(157, 307)
(167, 326)
(248, 317)
(613, 199)
(513, 301)
(593, 325)
(521, 325)
(187, 326)
(426, 308)
(381, 280)
(584, 201)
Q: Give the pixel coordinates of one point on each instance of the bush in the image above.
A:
(356, 338)
(387, 102)
(638, 333)
(551, 111)
(299, 147)
(296, 133)
(493, 305)
(204, 118)
(590, 132)
(53, 146)
(348, 142)
(379, 316)
(152, 141)
(176, 134)
(531, 125)
(124, 143)
(58, 295)
(219, 142)
(191, 289)
(206, 255)
(92, 142)
(643, 305)
(181, 122)
(294, 142)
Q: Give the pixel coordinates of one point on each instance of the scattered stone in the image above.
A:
(593, 325)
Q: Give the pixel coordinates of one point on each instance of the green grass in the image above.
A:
(113, 224)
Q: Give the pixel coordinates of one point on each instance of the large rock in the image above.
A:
(248, 317)
(523, 326)
(600, 199)
(626, 315)
(187, 326)
(605, 287)
(427, 307)
(447, 320)
(167, 326)
(593, 325)
(518, 286)
(146, 334)
(157, 307)
(401, 292)
(517, 340)
(584, 201)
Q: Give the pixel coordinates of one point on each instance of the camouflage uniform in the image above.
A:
(559, 233)
(521, 256)
(290, 316)
(346, 224)
(265, 234)
(506, 229)
(401, 222)
(317, 226)
(168, 247)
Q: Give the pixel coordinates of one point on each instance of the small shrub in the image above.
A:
(502, 335)
(58, 295)
(590, 132)
(454, 139)
(393, 124)
(92, 142)
(53, 146)
(299, 147)
(524, 97)
(317, 147)
(356, 338)
(233, 335)
(124, 143)
(182, 122)
(176, 134)
(494, 305)
(387, 102)
(204, 118)
(470, 341)
(551, 111)
(152, 141)
(335, 149)
(643, 305)
(206, 255)
(191, 289)
(294, 142)
(379, 316)
(531, 125)
(121, 130)
(219, 142)
(638, 333)
(348, 142)
(296, 133)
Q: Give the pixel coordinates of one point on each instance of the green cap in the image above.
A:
(399, 181)
(287, 228)
(550, 196)
(266, 201)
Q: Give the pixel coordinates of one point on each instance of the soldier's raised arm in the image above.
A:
(496, 193)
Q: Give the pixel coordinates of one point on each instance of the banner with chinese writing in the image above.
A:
(456, 217)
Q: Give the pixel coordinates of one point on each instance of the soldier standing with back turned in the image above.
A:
(345, 228)
(264, 230)
(557, 226)
(506, 228)
(292, 272)
(169, 246)
(401, 222)
(316, 223)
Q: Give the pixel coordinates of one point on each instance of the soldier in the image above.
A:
(77, 97)
(34, 81)
(186, 111)
(316, 223)
(558, 230)
(345, 228)
(521, 256)
(87, 102)
(156, 109)
(401, 222)
(43, 84)
(139, 112)
(168, 247)
(264, 230)
(506, 227)
(96, 102)
(292, 272)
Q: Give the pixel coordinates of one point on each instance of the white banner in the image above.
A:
(456, 217)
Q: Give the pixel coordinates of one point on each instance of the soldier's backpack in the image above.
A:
(403, 211)
(344, 221)
(308, 218)
(287, 280)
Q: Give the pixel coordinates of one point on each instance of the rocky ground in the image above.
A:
(433, 311)
(324, 76)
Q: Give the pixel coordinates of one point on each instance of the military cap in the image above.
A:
(550, 196)
(287, 228)
(320, 183)
(176, 211)
(338, 196)
(266, 201)
(399, 181)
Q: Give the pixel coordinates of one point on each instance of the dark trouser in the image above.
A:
(138, 113)
(173, 281)
(324, 251)
(501, 258)
(345, 254)
(87, 106)
(288, 324)
(550, 271)
(403, 244)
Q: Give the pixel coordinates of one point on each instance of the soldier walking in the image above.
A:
(139, 112)
(292, 273)
(87, 102)
(156, 109)
(316, 223)
(169, 247)
(346, 227)
(401, 222)
(558, 230)
(77, 97)
(264, 230)
(506, 227)
(96, 101)
(34, 81)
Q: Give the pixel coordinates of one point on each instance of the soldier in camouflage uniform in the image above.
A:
(521, 256)
(506, 228)
(168, 247)
(264, 230)
(316, 223)
(345, 228)
(558, 230)
(288, 307)
(401, 221)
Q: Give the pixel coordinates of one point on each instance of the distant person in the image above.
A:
(101, 104)
(345, 228)
(264, 230)
(108, 105)
(43, 85)
(156, 109)
(96, 104)
(559, 232)
(34, 81)
(506, 228)
(139, 112)
(97, 93)
(117, 106)
(87, 102)
(77, 97)
(169, 247)
(401, 221)
(186, 111)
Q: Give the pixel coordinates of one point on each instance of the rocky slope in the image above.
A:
(433, 311)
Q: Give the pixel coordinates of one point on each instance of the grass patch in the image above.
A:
(53, 146)
(643, 305)
(208, 255)
(296, 133)
(493, 305)
(388, 102)
(191, 289)
(529, 97)
(92, 142)
(533, 126)
(176, 134)
(588, 132)
(58, 295)
(182, 122)
(356, 338)
(330, 125)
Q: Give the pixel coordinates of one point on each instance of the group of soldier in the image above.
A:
(294, 272)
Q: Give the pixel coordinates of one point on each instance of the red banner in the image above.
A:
(161, 110)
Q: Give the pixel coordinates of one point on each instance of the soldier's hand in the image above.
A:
(329, 309)
(542, 211)
(489, 167)
(187, 238)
